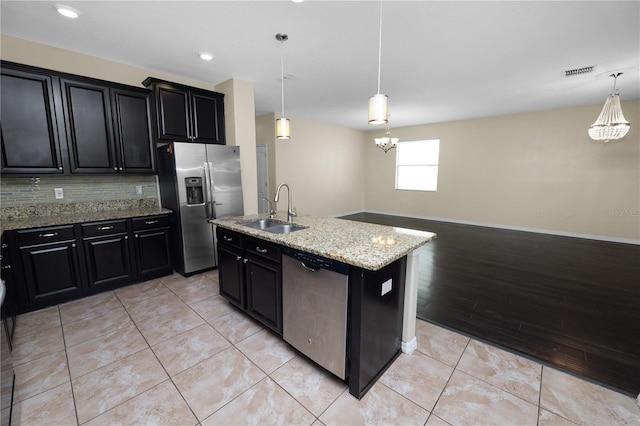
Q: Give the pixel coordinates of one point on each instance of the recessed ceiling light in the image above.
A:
(297, 1)
(206, 56)
(67, 11)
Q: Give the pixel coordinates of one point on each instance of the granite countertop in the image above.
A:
(55, 214)
(365, 245)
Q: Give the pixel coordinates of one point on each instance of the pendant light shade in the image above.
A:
(379, 103)
(611, 124)
(283, 128)
(378, 109)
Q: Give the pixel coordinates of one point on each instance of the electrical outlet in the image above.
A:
(59, 193)
(139, 190)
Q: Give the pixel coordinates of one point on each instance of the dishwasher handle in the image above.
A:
(312, 268)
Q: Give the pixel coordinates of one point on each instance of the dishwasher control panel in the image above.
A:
(317, 261)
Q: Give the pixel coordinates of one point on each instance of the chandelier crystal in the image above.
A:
(611, 124)
(387, 142)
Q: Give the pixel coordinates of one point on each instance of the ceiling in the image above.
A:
(441, 60)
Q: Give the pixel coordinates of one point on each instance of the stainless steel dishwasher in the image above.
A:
(315, 293)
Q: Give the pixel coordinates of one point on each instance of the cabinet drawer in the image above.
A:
(229, 237)
(262, 248)
(104, 228)
(45, 235)
(150, 222)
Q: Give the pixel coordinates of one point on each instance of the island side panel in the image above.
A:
(375, 317)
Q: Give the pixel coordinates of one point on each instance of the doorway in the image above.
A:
(262, 161)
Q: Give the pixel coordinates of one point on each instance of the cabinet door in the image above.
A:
(152, 253)
(172, 113)
(108, 260)
(88, 124)
(264, 292)
(132, 131)
(231, 279)
(51, 272)
(30, 142)
(207, 117)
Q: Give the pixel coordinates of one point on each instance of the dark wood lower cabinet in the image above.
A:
(250, 273)
(57, 264)
(231, 273)
(51, 272)
(108, 260)
(264, 291)
(152, 253)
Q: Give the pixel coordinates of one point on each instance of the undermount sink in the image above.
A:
(274, 226)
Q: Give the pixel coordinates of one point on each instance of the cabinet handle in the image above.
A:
(6, 267)
(104, 228)
(120, 168)
(115, 168)
(150, 222)
(261, 250)
(228, 239)
(73, 245)
(137, 236)
(59, 168)
(48, 235)
(238, 258)
(4, 245)
(126, 237)
(245, 260)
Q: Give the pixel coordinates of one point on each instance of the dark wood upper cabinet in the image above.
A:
(87, 116)
(54, 122)
(29, 132)
(133, 136)
(186, 113)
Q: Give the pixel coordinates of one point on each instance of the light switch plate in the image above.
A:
(386, 287)
(138, 189)
(59, 193)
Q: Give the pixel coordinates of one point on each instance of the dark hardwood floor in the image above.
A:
(573, 303)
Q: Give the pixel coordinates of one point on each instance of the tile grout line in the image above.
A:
(169, 378)
(66, 354)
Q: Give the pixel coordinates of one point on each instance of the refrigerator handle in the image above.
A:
(207, 200)
(212, 196)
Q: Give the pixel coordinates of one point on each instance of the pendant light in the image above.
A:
(283, 129)
(379, 103)
(387, 142)
(611, 124)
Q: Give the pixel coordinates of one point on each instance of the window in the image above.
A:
(417, 165)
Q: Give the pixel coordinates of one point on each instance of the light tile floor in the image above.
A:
(172, 351)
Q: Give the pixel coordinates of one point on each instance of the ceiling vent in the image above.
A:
(578, 71)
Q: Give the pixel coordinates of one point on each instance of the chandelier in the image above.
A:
(387, 142)
(611, 124)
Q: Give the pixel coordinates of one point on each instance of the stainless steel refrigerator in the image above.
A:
(198, 182)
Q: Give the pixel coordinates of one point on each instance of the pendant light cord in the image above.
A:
(282, 71)
(380, 48)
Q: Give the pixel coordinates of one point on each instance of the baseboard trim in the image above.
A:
(409, 347)
(512, 228)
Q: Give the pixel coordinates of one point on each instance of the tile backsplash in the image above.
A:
(29, 191)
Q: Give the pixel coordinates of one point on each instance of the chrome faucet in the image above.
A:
(290, 212)
(272, 212)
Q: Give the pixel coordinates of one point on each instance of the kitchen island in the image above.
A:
(382, 283)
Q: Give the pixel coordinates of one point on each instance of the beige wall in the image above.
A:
(39, 55)
(266, 135)
(323, 164)
(240, 130)
(535, 171)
